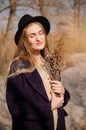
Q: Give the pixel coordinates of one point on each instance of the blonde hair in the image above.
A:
(24, 50)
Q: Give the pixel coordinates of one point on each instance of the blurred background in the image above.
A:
(68, 33)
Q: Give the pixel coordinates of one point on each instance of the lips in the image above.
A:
(39, 43)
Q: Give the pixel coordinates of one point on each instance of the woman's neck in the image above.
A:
(39, 59)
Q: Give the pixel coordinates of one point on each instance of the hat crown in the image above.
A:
(22, 21)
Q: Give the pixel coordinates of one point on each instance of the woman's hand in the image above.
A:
(56, 101)
(57, 94)
(57, 87)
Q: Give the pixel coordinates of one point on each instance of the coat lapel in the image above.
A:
(36, 82)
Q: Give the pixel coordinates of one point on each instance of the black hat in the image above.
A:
(25, 20)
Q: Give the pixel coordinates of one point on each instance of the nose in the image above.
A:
(38, 37)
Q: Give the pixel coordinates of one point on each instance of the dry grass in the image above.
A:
(67, 40)
(7, 49)
(79, 37)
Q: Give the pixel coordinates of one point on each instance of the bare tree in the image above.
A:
(76, 7)
(41, 6)
(12, 12)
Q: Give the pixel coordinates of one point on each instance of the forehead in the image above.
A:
(33, 27)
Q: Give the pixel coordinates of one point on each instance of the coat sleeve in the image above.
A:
(66, 97)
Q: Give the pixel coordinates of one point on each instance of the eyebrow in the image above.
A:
(35, 33)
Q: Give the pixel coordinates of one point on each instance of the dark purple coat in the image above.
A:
(29, 105)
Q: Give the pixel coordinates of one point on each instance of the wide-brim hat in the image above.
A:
(25, 20)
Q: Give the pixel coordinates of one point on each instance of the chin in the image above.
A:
(41, 47)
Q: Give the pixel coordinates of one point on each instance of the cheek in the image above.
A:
(45, 41)
(31, 42)
(44, 37)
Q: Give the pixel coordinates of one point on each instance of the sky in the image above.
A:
(4, 15)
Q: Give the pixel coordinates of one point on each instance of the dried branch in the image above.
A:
(7, 7)
(52, 65)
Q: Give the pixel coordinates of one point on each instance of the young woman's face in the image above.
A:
(36, 36)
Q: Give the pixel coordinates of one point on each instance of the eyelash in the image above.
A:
(40, 33)
(32, 36)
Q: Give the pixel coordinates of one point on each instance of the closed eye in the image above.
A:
(41, 32)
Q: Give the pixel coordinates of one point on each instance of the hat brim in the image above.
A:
(44, 21)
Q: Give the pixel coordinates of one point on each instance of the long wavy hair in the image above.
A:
(24, 50)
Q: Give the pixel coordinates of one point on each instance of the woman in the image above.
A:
(32, 96)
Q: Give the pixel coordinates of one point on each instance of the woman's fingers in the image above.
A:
(57, 87)
(56, 101)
